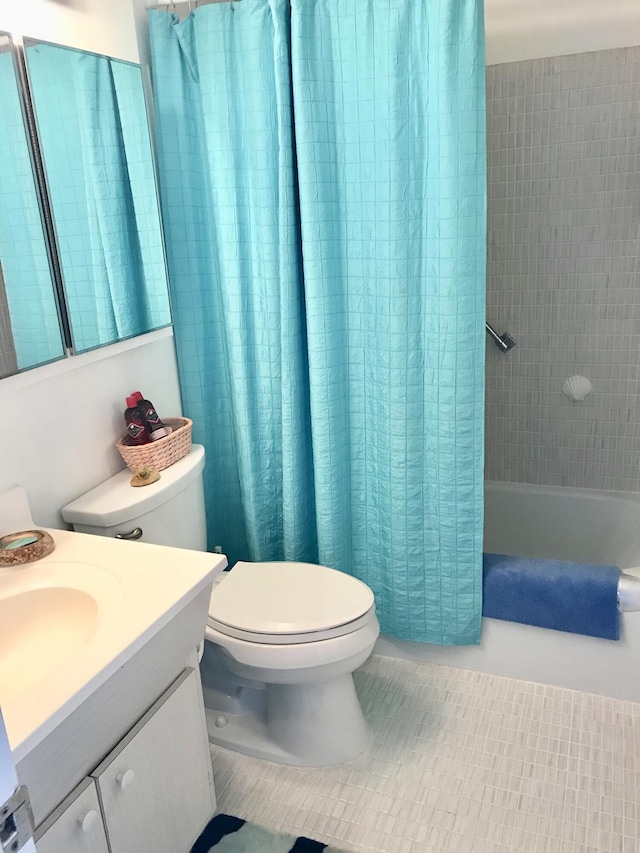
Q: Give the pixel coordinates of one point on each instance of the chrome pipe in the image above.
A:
(504, 341)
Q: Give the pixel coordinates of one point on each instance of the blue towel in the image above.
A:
(574, 597)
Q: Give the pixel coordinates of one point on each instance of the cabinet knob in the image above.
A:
(125, 779)
(88, 821)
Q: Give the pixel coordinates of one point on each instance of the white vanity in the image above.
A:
(101, 695)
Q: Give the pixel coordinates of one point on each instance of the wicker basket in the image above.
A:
(161, 453)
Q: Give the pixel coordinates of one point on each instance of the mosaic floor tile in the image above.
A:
(461, 761)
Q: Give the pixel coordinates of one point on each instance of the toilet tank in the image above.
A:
(168, 512)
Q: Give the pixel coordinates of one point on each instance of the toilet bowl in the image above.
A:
(282, 638)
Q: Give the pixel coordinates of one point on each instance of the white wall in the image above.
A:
(102, 26)
(529, 29)
(58, 423)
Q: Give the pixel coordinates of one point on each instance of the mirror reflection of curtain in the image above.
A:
(94, 136)
(28, 314)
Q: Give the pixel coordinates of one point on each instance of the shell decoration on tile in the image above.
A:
(576, 388)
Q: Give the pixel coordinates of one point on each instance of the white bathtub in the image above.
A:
(566, 524)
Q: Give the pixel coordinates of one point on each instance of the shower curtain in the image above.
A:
(322, 182)
(229, 201)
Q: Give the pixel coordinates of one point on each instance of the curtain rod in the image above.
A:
(188, 4)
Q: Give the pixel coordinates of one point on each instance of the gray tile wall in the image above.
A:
(563, 269)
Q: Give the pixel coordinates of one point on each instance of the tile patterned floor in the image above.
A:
(461, 761)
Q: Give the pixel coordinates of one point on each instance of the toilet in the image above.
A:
(282, 640)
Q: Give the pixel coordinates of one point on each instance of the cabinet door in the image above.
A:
(75, 826)
(156, 786)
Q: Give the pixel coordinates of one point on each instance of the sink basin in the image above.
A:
(71, 620)
(40, 629)
(51, 612)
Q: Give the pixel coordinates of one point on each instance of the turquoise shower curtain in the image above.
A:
(343, 260)
(228, 191)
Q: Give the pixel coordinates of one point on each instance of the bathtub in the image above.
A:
(562, 523)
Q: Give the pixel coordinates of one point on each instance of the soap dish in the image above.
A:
(27, 546)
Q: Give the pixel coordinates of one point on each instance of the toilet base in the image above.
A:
(308, 725)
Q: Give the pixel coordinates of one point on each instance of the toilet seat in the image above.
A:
(288, 603)
(291, 639)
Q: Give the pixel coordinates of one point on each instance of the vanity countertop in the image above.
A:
(72, 619)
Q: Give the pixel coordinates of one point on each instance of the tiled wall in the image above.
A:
(563, 269)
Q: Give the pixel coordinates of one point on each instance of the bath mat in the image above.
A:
(226, 834)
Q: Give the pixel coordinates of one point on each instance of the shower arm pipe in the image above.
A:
(504, 342)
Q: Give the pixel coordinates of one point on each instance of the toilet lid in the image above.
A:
(287, 598)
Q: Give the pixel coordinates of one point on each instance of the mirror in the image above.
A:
(92, 126)
(29, 326)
